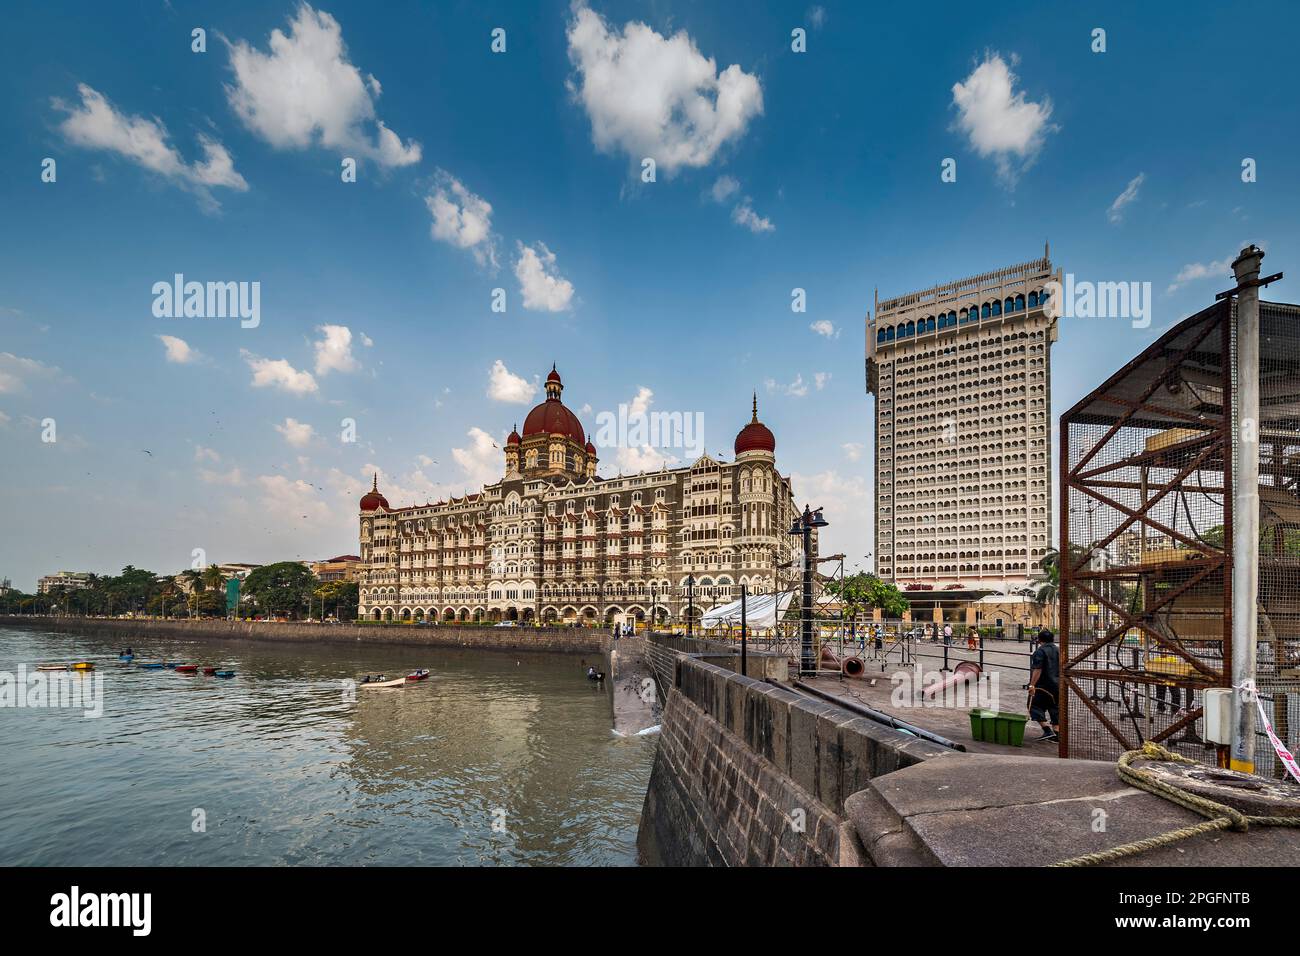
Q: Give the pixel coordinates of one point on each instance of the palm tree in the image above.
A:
(1050, 590)
(213, 579)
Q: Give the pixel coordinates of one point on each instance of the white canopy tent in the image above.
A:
(761, 610)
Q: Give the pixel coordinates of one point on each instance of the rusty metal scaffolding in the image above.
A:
(1146, 541)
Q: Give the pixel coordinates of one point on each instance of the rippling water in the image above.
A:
(289, 771)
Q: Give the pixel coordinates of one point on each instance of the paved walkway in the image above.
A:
(889, 684)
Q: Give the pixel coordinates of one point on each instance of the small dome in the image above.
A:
(755, 436)
(554, 376)
(514, 436)
(372, 499)
(591, 449)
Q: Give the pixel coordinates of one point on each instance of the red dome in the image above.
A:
(514, 437)
(372, 499)
(591, 449)
(755, 436)
(551, 416)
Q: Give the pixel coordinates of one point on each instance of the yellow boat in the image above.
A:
(82, 666)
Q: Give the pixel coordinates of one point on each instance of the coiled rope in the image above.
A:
(1220, 816)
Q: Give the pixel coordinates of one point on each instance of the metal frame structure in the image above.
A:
(1146, 541)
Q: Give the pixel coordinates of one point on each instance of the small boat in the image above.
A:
(82, 666)
(223, 674)
(209, 671)
(418, 675)
(127, 658)
(153, 666)
(397, 682)
(187, 668)
(51, 667)
(171, 665)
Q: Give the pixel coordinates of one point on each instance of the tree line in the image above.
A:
(286, 589)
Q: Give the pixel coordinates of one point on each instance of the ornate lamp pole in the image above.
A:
(690, 605)
(803, 525)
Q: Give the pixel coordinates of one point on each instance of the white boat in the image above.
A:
(395, 682)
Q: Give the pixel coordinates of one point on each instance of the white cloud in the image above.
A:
(798, 388)
(641, 402)
(293, 499)
(1116, 212)
(654, 96)
(825, 327)
(505, 386)
(817, 17)
(744, 215)
(724, 188)
(366, 340)
(544, 290)
(853, 450)
(296, 433)
(1221, 268)
(178, 350)
(96, 124)
(334, 350)
(206, 454)
(462, 218)
(278, 373)
(848, 505)
(820, 379)
(482, 461)
(999, 121)
(306, 91)
(232, 478)
(16, 371)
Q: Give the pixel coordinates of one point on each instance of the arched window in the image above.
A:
(1033, 299)
(985, 312)
(880, 336)
(1020, 303)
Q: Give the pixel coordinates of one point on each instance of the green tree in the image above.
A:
(862, 591)
(338, 598)
(281, 589)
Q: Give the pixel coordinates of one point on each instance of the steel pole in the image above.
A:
(806, 622)
(1245, 514)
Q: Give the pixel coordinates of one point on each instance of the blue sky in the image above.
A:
(776, 170)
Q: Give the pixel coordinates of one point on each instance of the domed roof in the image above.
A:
(513, 439)
(755, 436)
(551, 416)
(591, 449)
(372, 499)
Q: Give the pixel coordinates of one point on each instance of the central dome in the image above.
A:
(551, 417)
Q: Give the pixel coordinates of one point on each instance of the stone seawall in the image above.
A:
(749, 774)
(555, 639)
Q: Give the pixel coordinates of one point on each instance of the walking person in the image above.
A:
(1044, 685)
(947, 633)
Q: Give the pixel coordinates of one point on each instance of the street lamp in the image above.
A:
(803, 525)
(690, 606)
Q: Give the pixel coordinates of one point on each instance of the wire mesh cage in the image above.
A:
(1145, 571)
(1146, 530)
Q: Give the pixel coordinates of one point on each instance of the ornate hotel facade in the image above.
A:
(961, 374)
(554, 542)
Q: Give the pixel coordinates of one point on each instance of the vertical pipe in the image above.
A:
(1063, 562)
(744, 633)
(1245, 530)
(806, 624)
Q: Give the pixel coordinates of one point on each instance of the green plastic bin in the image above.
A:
(995, 727)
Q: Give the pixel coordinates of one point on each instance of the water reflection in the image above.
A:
(287, 768)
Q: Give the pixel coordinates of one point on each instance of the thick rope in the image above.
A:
(1221, 816)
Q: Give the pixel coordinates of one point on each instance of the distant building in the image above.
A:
(228, 571)
(68, 580)
(962, 379)
(341, 568)
(553, 542)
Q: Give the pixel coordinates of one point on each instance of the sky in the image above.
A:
(502, 218)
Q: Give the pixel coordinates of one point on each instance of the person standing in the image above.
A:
(1044, 685)
(947, 633)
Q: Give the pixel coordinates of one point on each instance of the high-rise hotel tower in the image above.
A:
(961, 373)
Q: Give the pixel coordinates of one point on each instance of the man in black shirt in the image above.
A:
(1044, 685)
